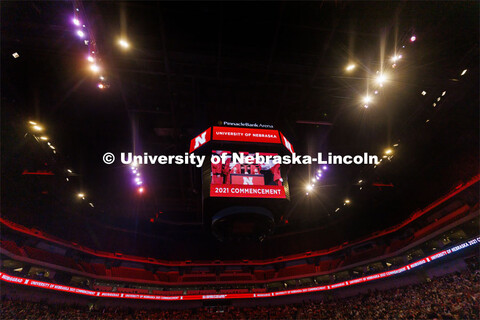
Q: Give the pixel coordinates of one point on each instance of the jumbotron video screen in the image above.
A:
(240, 175)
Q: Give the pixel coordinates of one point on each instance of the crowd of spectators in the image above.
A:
(453, 296)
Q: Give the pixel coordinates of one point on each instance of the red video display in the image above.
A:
(232, 178)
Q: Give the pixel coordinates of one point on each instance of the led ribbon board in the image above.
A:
(51, 286)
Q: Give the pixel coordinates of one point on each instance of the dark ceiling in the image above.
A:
(193, 64)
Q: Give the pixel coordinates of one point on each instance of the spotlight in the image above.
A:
(396, 58)
(463, 72)
(444, 93)
(95, 68)
(44, 138)
(139, 183)
(314, 180)
(309, 187)
(376, 92)
(350, 67)
(324, 167)
(15, 55)
(138, 174)
(338, 209)
(38, 128)
(347, 201)
(123, 43)
(388, 151)
(367, 99)
(80, 33)
(413, 38)
(90, 59)
(424, 93)
(380, 79)
(360, 181)
(69, 171)
(32, 123)
(102, 78)
(76, 21)
(366, 106)
(101, 86)
(140, 190)
(137, 179)
(81, 195)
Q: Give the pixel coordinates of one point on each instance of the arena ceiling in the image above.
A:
(190, 65)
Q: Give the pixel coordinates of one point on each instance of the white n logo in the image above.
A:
(248, 180)
(201, 139)
(287, 144)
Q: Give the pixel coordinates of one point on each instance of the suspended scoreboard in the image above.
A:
(242, 196)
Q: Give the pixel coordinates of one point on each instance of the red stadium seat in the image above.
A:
(99, 269)
(50, 257)
(198, 278)
(236, 277)
(132, 273)
(11, 247)
(296, 270)
(442, 222)
(162, 276)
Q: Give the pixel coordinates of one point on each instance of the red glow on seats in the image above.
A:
(49, 257)
(131, 273)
